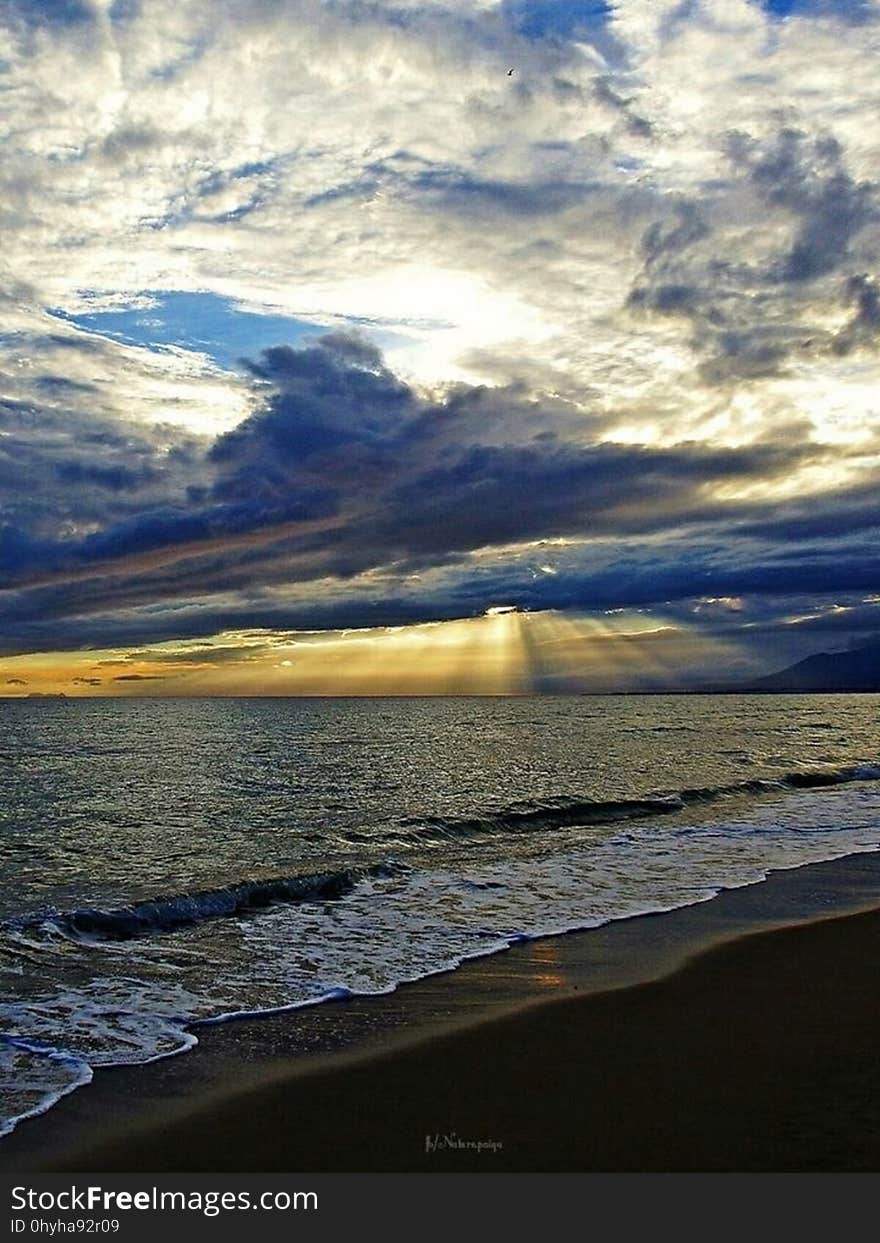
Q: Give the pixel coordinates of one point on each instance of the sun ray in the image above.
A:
(503, 652)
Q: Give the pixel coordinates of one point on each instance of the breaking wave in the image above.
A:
(567, 811)
(181, 910)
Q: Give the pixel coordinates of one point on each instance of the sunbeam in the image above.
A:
(503, 652)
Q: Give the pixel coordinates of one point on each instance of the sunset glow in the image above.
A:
(505, 652)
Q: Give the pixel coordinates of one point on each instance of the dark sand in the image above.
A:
(633, 1047)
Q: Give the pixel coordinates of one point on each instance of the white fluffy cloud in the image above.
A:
(376, 161)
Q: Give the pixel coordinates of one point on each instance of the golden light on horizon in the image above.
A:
(503, 652)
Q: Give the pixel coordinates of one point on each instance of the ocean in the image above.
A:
(171, 863)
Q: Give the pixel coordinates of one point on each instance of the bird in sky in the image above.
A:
(510, 73)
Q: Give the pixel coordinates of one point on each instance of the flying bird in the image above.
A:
(510, 73)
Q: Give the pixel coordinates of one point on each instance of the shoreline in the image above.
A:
(217, 1107)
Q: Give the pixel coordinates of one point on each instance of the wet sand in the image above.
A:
(727, 1036)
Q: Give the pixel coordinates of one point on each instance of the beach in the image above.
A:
(739, 1034)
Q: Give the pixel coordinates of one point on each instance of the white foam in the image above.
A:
(143, 999)
(36, 1077)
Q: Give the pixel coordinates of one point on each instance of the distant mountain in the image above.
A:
(856, 670)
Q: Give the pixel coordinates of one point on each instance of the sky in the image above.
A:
(364, 347)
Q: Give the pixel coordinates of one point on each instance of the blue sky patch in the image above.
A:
(849, 10)
(538, 19)
(52, 12)
(782, 8)
(212, 325)
(206, 322)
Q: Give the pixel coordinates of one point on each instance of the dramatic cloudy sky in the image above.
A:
(334, 356)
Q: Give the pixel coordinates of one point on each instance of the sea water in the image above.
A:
(167, 863)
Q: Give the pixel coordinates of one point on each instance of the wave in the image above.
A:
(818, 778)
(131, 1006)
(805, 779)
(243, 897)
(165, 914)
(566, 811)
(551, 813)
(28, 1098)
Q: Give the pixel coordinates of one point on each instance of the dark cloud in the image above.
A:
(16, 682)
(758, 298)
(807, 176)
(139, 677)
(619, 575)
(442, 475)
(130, 142)
(859, 620)
(636, 124)
(336, 397)
(345, 470)
(665, 239)
(61, 469)
(203, 654)
(452, 189)
(863, 293)
(566, 490)
(633, 582)
(384, 475)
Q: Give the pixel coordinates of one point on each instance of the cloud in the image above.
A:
(346, 468)
(349, 497)
(62, 472)
(621, 305)
(863, 293)
(763, 303)
(807, 176)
